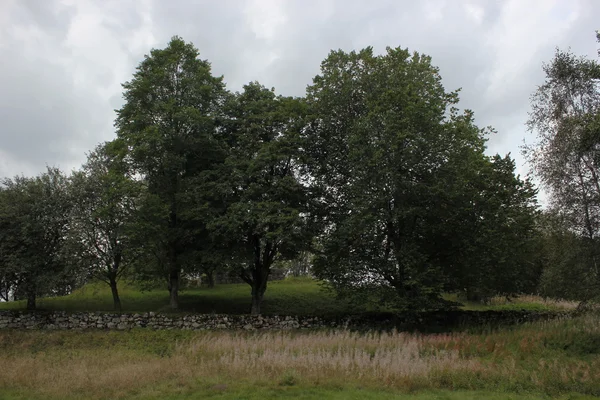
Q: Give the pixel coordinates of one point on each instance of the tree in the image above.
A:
(169, 125)
(566, 154)
(105, 207)
(399, 168)
(34, 219)
(8, 275)
(567, 273)
(264, 199)
(496, 232)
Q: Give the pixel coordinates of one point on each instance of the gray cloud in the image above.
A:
(63, 61)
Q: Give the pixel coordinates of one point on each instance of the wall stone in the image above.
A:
(80, 320)
(427, 321)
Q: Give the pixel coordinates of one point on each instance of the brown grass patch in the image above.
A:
(530, 357)
(391, 360)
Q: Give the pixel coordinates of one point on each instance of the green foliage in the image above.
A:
(401, 171)
(106, 201)
(565, 115)
(34, 218)
(258, 187)
(169, 127)
(567, 273)
(289, 378)
(375, 177)
(496, 233)
(578, 344)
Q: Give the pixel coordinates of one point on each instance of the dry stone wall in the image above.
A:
(408, 321)
(63, 320)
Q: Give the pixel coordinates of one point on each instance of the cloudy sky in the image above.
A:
(62, 61)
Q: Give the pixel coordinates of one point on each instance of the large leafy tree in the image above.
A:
(169, 125)
(34, 220)
(106, 201)
(263, 200)
(397, 164)
(565, 116)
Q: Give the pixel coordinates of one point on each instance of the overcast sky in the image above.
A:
(62, 61)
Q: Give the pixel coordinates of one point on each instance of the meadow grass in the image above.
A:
(288, 297)
(295, 296)
(553, 358)
(522, 302)
(218, 392)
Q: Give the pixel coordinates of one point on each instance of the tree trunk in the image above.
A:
(257, 298)
(31, 297)
(259, 287)
(115, 294)
(174, 273)
(210, 279)
(173, 252)
(261, 268)
(174, 288)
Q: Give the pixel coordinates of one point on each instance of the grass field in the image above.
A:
(298, 296)
(557, 359)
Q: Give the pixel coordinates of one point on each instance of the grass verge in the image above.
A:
(555, 358)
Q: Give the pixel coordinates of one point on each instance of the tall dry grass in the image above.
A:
(532, 357)
(392, 360)
(386, 358)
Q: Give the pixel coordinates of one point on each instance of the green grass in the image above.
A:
(521, 303)
(543, 360)
(288, 297)
(218, 393)
(297, 296)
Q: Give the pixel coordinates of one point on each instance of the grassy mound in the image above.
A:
(292, 296)
(296, 296)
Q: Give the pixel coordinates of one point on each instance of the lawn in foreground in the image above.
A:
(221, 392)
(553, 359)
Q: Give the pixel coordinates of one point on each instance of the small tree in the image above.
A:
(493, 235)
(567, 273)
(264, 200)
(8, 274)
(105, 206)
(35, 217)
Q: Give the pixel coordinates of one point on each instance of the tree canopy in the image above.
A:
(565, 116)
(169, 125)
(401, 170)
(34, 221)
(376, 178)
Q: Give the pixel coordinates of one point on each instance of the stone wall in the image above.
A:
(63, 320)
(429, 321)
